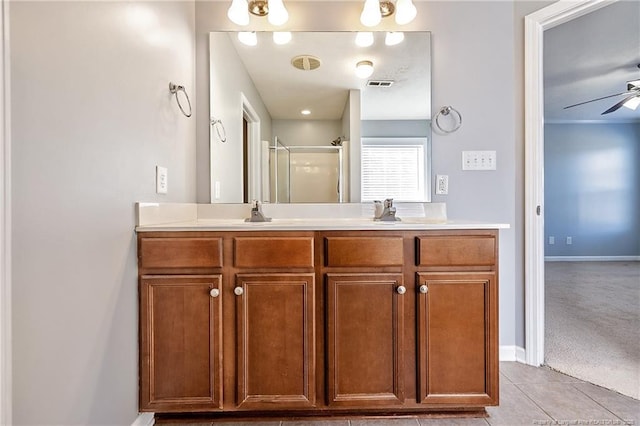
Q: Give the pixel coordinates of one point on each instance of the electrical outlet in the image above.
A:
(442, 184)
(161, 180)
(569, 241)
(552, 240)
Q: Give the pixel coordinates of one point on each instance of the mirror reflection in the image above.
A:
(317, 117)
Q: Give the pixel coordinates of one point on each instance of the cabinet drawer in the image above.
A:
(180, 253)
(467, 250)
(364, 251)
(273, 252)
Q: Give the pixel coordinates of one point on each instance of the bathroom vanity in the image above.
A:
(318, 318)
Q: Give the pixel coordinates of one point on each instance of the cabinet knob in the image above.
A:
(401, 289)
(214, 292)
(238, 291)
(423, 289)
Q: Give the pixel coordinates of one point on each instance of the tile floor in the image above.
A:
(528, 396)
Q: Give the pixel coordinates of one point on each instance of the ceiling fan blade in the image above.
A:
(599, 99)
(622, 102)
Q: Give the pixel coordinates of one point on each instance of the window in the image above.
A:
(393, 168)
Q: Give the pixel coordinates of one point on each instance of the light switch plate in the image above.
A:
(161, 180)
(478, 160)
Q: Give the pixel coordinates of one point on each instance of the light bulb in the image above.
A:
(281, 37)
(405, 12)
(364, 69)
(364, 38)
(248, 37)
(371, 15)
(238, 12)
(305, 112)
(393, 37)
(278, 14)
(632, 103)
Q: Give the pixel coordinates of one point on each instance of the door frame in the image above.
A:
(254, 158)
(535, 25)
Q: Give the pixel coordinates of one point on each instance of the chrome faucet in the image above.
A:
(256, 213)
(385, 212)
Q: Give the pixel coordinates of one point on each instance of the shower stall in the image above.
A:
(306, 174)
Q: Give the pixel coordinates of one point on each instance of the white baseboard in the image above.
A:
(512, 353)
(145, 419)
(591, 258)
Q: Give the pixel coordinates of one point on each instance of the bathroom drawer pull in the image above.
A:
(401, 289)
(423, 289)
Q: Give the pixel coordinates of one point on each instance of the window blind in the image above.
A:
(393, 171)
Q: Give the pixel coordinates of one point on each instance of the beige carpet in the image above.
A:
(592, 315)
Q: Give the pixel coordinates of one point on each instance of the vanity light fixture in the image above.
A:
(274, 10)
(394, 37)
(364, 69)
(364, 38)
(249, 38)
(281, 37)
(374, 10)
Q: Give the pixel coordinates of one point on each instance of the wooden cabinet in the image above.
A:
(318, 322)
(180, 343)
(275, 341)
(456, 340)
(365, 339)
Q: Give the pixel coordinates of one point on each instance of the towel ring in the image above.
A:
(446, 110)
(174, 89)
(217, 124)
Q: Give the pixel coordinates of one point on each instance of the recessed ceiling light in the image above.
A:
(305, 112)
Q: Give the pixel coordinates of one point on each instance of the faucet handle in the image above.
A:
(388, 202)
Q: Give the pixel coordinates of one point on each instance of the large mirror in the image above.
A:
(293, 122)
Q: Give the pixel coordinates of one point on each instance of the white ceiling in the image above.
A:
(591, 57)
(286, 90)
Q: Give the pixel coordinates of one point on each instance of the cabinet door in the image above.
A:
(276, 341)
(457, 338)
(181, 346)
(365, 339)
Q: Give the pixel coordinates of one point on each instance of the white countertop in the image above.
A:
(230, 217)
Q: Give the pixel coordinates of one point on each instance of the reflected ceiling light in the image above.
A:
(364, 38)
(275, 11)
(281, 37)
(305, 112)
(364, 69)
(248, 38)
(393, 37)
(405, 12)
(374, 10)
(632, 103)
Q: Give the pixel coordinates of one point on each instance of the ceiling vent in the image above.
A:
(379, 83)
(306, 62)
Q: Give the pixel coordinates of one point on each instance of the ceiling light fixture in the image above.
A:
(393, 37)
(632, 103)
(364, 38)
(374, 10)
(274, 10)
(364, 69)
(305, 112)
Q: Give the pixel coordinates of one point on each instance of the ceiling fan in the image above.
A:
(631, 99)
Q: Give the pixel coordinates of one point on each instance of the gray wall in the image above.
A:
(91, 118)
(396, 128)
(592, 176)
